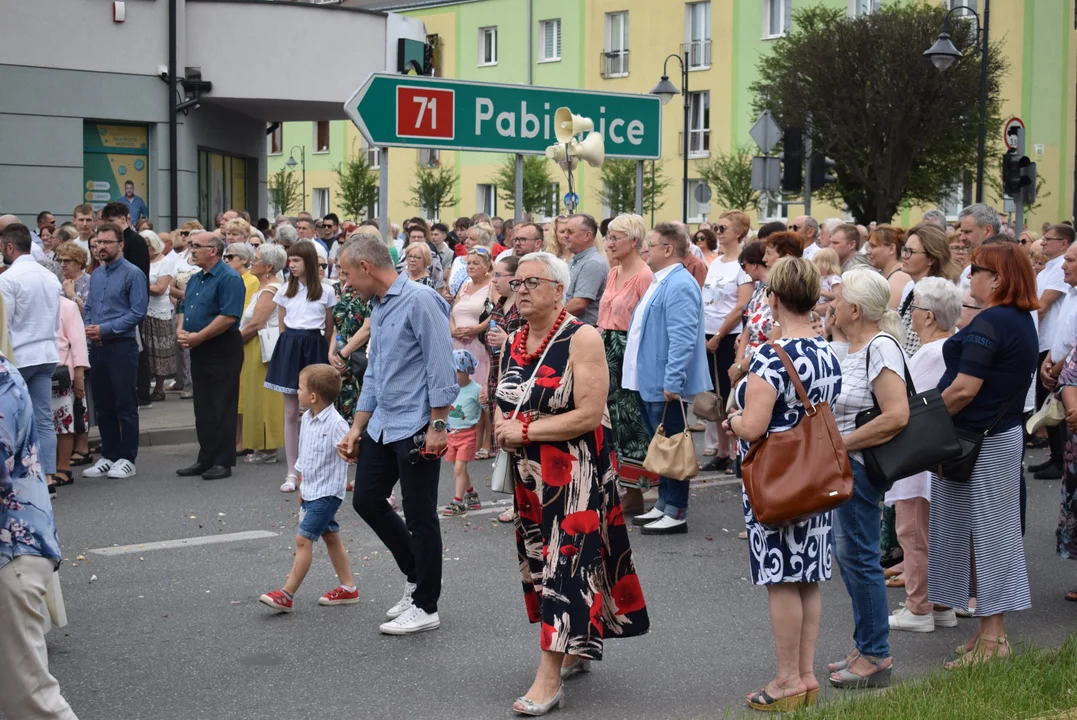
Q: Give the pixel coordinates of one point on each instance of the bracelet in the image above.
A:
(526, 423)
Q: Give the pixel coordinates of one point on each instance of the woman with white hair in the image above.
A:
(936, 308)
(873, 372)
(239, 256)
(158, 334)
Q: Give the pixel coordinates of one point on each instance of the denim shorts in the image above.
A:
(317, 517)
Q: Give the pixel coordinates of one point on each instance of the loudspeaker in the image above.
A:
(557, 154)
(566, 125)
(592, 149)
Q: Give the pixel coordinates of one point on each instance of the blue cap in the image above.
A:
(464, 361)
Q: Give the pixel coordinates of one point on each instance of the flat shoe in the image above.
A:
(896, 581)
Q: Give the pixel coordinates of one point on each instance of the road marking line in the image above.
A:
(185, 542)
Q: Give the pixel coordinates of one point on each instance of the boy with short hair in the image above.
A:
(325, 475)
(463, 436)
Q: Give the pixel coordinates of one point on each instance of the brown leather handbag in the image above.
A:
(793, 475)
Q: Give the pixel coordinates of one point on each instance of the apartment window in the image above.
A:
(697, 35)
(615, 57)
(373, 155)
(550, 40)
(486, 199)
(372, 210)
(775, 18)
(954, 201)
(699, 124)
(487, 46)
(321, 136)
(770, 209)
(275, 141)
(970, 4)
(429, 158)
(695, 212)
(319, 200)
(864, 7)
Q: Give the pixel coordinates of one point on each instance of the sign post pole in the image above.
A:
(518, 195)
(1019, 199)
(639, 188)
(383, 195)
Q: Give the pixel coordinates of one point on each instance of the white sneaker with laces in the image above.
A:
(122, 469)
(903, 619)
(945, 618)
(405, 602)
(412, 620)
(99, 470)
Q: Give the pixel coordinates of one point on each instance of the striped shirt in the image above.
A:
(410, 367)
(325, 473)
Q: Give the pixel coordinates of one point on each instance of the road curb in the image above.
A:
(158, 437)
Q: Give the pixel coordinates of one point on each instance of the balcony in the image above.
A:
(699, 143)
(614, 63)
(699, 54)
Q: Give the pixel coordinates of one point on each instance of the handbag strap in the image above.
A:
(909, 389)
(1006, 408)
(662, 422)
(526, 392)
(794, 377)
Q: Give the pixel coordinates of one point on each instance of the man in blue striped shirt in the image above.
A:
(400, 428)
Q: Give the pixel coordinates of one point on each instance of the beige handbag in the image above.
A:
(708, 405)
(672, 457)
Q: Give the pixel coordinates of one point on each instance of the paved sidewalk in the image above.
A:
(166, 423)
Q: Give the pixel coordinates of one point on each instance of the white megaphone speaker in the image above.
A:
(566, 125)
(592, 149)
(558, 155)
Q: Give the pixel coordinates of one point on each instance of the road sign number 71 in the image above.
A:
(425, 113)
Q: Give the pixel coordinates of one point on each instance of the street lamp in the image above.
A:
(666, 90)
(943, 54)
(290, 162)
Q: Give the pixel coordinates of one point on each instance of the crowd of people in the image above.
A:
(565, 348)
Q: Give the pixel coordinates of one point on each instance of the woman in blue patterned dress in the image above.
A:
(790, 561)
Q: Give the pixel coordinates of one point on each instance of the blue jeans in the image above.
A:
(672, 494)
(113, 377)
(39, 382)
(856, 540)
(318, 517)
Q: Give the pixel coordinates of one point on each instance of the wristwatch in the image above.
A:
(438, 425)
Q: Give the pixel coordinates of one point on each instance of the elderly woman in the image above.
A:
(419, 235)
(578, 575)
(936, 309)
(417, 262)
(989, 365)
(625, 285)
(872, 371)
(884, 250)
(239, 256)
(75, 358)
(469, 322)
(76, 283)
(790, 561)
(481, 235)
(926, 253)
(350, 316)
(261, 410)
(158, 334)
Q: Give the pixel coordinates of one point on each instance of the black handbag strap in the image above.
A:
(909, 389)
(1006, 408)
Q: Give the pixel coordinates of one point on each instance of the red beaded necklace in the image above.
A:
(519, 349)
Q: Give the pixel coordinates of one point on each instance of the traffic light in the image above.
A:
(1028, 181)
(792, 160)
(1011, 173)
(821, 171)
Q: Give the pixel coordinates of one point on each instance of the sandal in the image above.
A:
(763, 701)
(482, 454)
(62, 477)
(846, 679)
(79, 458)
(710, 451)
(896, 581)
(844, 662)
(505, 517)
(158, 396)
(289, 484)
(978, 654)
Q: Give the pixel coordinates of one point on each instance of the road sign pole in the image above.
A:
(518, 193)
(807, 175)
(1019, 198)
(383, 195)
(639, 187)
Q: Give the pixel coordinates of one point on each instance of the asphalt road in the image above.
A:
(178, 632)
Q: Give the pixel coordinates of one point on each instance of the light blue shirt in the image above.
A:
(410, 368)
(118, 299)
(136, 208)
(466, 409)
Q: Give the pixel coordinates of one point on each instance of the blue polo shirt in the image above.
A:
(210, 293)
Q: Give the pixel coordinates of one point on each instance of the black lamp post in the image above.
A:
(666, 90)
(943, 54)
(290, 162)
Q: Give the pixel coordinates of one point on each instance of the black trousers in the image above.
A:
(143, 383)
(415, 541)
(1055, 438)
(215, 368)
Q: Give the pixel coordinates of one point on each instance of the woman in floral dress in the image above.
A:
(352, 333)
(1067, 514)
(579, 579)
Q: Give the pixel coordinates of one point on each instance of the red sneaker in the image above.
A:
(277, 600)
(340, 596)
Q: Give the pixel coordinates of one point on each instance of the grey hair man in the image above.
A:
(808, 229)
(977, 223)
(826, 228)
(936, 217)
(287, 236)
(589, 269)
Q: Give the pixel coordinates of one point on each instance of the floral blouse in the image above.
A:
(758, 320)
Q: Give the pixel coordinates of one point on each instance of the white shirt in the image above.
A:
(809, 252)
(248, 312)
(503, 255)
(1066, 328)
(856, 379)
(301, 313)
(86, 246)
(926, 368)
(1051, 277)
(160, 306)
(720, 294)
(325, 473)
(629, 373)
(32, 305)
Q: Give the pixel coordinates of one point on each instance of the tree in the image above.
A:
(618, 191)
(730, 176)
(899, 131)
(357, 185)
(284, 192)
(536, 183)
(434, 189)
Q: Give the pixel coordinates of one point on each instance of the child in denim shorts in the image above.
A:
(325, 476)
(463, 437)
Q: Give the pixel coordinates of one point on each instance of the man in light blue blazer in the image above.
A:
(666, 361)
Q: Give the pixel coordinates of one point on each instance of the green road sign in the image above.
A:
(424, 112)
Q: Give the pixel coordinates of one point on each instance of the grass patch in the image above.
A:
(1030, 684)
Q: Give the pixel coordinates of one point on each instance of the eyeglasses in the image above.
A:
(959, 248)
(907, 252)
(921, 308)
(415, 257)
(107, 242)
(67, 260)
(531, 283)
(192, 246)
(419, 452)
(502, 275)
(1055, 239)
(700, 238)
(974, 268)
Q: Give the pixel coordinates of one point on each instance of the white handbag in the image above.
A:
(267, 339)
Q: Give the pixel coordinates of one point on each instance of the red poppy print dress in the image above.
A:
(579, 579)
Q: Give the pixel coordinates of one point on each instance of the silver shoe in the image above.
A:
(526, 706)
(581, 665)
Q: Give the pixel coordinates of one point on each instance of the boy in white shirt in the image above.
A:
(325, 475)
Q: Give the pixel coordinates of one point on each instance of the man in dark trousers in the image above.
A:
(136, 252)
(209, 326)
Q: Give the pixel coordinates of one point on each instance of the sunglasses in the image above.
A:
(722, 229)
(794, 228)
(974, 268)
(323, 266)
(419, 452)
(184, 233)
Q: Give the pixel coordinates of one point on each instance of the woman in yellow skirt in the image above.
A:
(261, 410)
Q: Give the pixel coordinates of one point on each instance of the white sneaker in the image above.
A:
(945, 618)
(649, 516)
(665, 525)
(903, 619)
(99, 470)
(413, 620)
(122, 469)
(405, 602)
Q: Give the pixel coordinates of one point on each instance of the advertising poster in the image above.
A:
(112, 155)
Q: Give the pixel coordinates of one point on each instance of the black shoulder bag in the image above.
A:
(928, 439)
(959, 468)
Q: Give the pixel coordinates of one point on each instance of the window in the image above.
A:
(550, 40)
(550, 211)
(372, 209)
(430, 158)
(699, 124)
(775, 18)
(275, 139)
(486, 199)
(321, 136)
(434, 42)
(373, 155)
(695, 212)
(615, 57)
(970, 4)
(864, 7)
(770, 209)
(319, 200)
(697, 35)
(487, 46)
(955, 200)
(222, 184)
